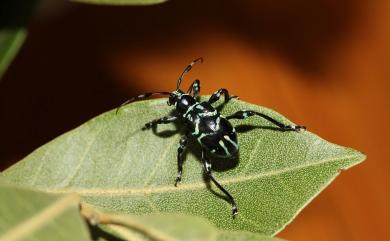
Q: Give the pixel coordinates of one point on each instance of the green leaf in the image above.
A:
(189, 228)
(30, 215)
(111, 163)
(165, 227)
(122, 2)
(160, 227)
(14, 15)
(10, 43)
(224, 235)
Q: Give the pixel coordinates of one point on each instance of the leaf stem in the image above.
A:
(95, 217)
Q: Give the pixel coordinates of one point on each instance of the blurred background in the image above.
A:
(321, 63)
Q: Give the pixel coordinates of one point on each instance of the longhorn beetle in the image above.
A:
(214, 132)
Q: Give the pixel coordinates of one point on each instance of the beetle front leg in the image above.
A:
(180, 150)
(217, 95)
(243, 114)
(207, 167)
(163, 120)
(194, 88)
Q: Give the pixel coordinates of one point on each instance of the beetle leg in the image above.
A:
(163, 120)
(243, 114)
(194, 88)
(217, 94)
(207, 167)
(180, 150)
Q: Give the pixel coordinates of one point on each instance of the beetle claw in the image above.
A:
(296, 128)
(234, 211)
(178, 180)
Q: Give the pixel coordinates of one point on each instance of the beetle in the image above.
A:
(213, 131)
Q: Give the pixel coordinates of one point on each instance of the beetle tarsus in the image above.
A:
(234, 211)
(178, 179)
(296, 128)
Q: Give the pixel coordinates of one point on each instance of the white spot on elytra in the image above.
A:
(217, 123)
(224, 147)
(230, 140)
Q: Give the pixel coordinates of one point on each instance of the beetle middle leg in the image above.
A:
(243, 114)
(207, 167)
(182, 146)
(163, 120)
(217, 95)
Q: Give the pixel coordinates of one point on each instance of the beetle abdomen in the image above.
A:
(222, 141)
(214, 132)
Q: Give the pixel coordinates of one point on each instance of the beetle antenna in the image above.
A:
(140, 97)
(186, 70)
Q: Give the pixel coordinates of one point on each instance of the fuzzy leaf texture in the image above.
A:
(113, 164)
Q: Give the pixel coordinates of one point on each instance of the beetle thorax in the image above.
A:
(181, 101)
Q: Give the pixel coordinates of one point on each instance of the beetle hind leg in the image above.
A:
(207, 166)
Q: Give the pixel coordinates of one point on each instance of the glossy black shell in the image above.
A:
(213, 131)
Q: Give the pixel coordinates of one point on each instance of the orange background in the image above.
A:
(322, 63)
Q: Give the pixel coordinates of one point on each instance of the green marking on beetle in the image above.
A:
(230, 140)
(222, 144)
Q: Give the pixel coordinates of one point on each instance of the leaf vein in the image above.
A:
(192, 186)
(67, 181)
(256, 147)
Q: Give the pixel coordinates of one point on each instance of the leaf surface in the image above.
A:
(224, 235)
(30, 215)
(111, 163)
(168, 227)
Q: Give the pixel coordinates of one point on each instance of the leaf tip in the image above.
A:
(359, 156)
(356, 157)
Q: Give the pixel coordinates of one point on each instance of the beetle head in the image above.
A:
(181, 101)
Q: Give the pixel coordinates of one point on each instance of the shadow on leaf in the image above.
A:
(98, 233)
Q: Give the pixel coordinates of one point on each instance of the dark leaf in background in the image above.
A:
(14, 15)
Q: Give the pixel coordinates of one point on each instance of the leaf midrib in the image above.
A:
(193, 186)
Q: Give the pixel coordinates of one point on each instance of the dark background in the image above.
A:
(322, 63)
